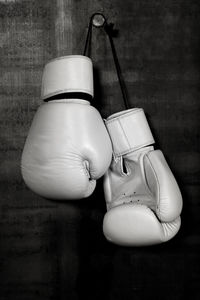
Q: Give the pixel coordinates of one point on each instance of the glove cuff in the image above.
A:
(71, 74)
(129, 131)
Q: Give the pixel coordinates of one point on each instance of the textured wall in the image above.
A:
(55, 250)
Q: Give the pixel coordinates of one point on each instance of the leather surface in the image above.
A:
(143, 199)
(67, 74)
(129, 131)
(67, 149)
(136, 225)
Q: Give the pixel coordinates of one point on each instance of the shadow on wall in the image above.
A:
(95, 253)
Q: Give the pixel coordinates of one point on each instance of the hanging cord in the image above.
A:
(88, 38)
(108, 28)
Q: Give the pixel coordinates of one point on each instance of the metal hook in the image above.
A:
(98, 20)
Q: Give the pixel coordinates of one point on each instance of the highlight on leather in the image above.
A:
(68, 147)
(67, 74)
(142, 196)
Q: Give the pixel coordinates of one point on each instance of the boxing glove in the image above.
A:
(68, 147)
(142, 197)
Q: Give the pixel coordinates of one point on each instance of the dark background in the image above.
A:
(56, 250)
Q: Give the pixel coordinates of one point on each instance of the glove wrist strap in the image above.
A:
(68, 77)
(129, 131)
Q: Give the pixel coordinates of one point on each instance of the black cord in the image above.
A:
(88, 38)
(108, 28)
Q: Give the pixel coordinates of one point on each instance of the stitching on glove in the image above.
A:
(134, 111)
(120, 124)
(135, 148)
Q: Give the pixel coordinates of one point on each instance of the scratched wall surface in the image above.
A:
(56, 250)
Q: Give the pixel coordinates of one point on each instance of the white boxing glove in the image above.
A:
(68, 147)
(143, 199)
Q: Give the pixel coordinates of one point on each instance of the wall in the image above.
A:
(56, 250)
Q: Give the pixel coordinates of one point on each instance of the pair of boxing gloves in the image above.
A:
(69, 147)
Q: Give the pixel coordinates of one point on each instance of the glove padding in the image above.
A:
(68, 147)
(143, 199)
